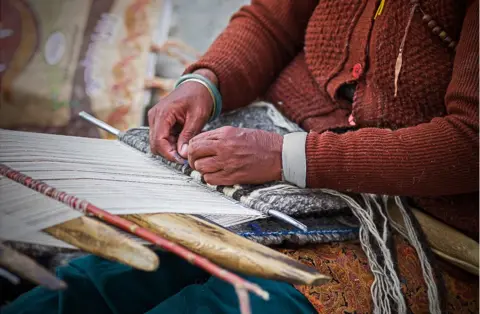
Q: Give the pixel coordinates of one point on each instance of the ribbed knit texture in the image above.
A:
(422, 143)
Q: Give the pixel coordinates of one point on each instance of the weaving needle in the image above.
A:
(274, 213)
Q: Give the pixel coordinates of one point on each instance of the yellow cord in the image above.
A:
(380, 9)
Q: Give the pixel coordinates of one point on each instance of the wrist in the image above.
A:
(208, 79)
(208, 74)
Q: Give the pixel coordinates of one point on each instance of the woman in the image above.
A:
(388, 93)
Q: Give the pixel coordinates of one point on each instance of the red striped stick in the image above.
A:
(240, 284)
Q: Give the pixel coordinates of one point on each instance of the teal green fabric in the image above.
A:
(99, 286)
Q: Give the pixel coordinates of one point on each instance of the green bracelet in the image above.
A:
(212, 89)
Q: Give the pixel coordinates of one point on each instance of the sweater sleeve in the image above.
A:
(258, 43)
(431, 159)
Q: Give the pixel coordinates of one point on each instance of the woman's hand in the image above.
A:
(180, 116)
(229, 156)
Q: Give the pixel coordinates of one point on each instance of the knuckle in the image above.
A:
(228, 145)
(226, 129)
(209, 179)
(188, 133)
(199, 166)
(193, 147)
(230, 167)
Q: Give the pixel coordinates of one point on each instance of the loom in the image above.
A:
(126, 182)
(185, 229)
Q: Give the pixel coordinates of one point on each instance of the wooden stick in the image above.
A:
(445, 241)
(86, 207)
(100, 239)
(27, 268)
(228, 249)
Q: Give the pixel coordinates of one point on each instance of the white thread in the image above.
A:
(23, 210)
(428, 276)
(386, 281)
(112, 176)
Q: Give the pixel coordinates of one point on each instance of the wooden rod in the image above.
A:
(228, 249)
(27, 268)
(446, 242)
(100, 239)
(86, 207)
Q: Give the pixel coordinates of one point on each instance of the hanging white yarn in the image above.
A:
(427, 270)
(386, 285)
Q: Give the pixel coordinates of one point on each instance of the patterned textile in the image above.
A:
(349, 289)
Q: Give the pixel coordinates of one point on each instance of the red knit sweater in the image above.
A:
(422, 143)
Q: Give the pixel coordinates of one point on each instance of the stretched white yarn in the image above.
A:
(111, 175)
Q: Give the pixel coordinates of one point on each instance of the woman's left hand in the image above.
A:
(229, 156)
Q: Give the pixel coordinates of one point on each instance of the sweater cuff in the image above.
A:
(294, 162)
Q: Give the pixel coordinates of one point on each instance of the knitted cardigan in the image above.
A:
(422, 143)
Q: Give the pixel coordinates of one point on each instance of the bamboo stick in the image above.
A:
(228, 249)
(100, 239)
(27, 268)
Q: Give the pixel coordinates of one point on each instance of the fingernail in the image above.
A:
(178, 158)
(184, 150)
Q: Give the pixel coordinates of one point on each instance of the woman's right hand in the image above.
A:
(178, 117)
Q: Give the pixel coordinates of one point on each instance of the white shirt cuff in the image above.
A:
(294, 161)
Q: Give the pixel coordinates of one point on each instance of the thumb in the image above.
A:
(191, 128)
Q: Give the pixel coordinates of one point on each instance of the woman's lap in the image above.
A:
(177, 287)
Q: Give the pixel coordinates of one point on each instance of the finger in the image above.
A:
(151, 138)
(208, 165)
(208, 135)
(172, 138)
(151, 116)
(160, 138)
(219, 178)
(201, 149)
(151, 125)
(168, 149)
(191, 128)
